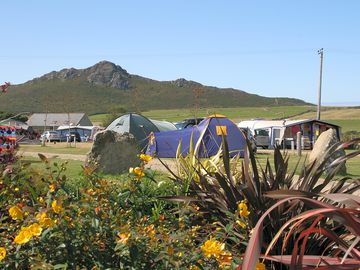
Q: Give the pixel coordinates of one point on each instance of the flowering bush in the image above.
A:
(47, 223)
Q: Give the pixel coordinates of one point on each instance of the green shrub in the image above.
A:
(47, 222)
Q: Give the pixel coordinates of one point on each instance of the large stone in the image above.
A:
(325, 141)
(114, 153)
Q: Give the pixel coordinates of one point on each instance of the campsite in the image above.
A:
(163, 152)
(158, 179)
(180, 135)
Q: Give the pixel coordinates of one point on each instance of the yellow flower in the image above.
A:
(35, 229)
(16, 189)
(212, 248)
(243, 209)
(56, 207)
(224, 259)
(241, 224)
(41, 200)
(194, 267)
(52, 187)
(16, 213)
(123, 238)
(260, 266)
(44, 220)
(138, 171)
(24, 236)
(145, 158)
(2, 253)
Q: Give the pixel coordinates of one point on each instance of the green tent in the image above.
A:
(139, 126)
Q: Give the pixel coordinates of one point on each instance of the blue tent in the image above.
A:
(209, 132)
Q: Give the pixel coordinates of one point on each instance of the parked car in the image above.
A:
(187, 123)
(262, 138)
(53, 136)
(76, 135)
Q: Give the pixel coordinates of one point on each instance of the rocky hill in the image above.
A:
(100, 88)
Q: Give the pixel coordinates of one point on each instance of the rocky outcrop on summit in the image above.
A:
(185, 83)
(108, 74)
(103, 73)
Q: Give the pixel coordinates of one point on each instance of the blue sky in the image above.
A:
(263, 47)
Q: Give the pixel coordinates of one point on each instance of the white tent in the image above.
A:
(163, 125)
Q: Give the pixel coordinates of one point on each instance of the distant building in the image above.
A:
(51, 121)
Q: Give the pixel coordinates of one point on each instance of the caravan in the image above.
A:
(270, 133)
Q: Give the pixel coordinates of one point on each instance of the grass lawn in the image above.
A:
(58, 148)
(73, 167)
(352, 165)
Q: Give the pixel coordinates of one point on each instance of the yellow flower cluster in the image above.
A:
(123, 238)
(216, 249)
(57, 207)
(16, 213)
(2, 253)
(212, 248)
(145, 158)
(137, 171)
(26, 233)
(243, 209)
(52, 188)
(241, 224)
(44, 220)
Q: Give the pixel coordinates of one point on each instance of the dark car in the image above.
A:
(187, 123)
(76, 135)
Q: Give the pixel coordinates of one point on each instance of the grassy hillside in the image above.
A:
(347, 118)
(336, 113)
(235, 113)
(89, 91)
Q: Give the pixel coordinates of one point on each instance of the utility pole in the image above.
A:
(321, 52)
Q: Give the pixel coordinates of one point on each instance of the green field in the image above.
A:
(347, 118)
(346, 125)
(97, 119)
(234, 113)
